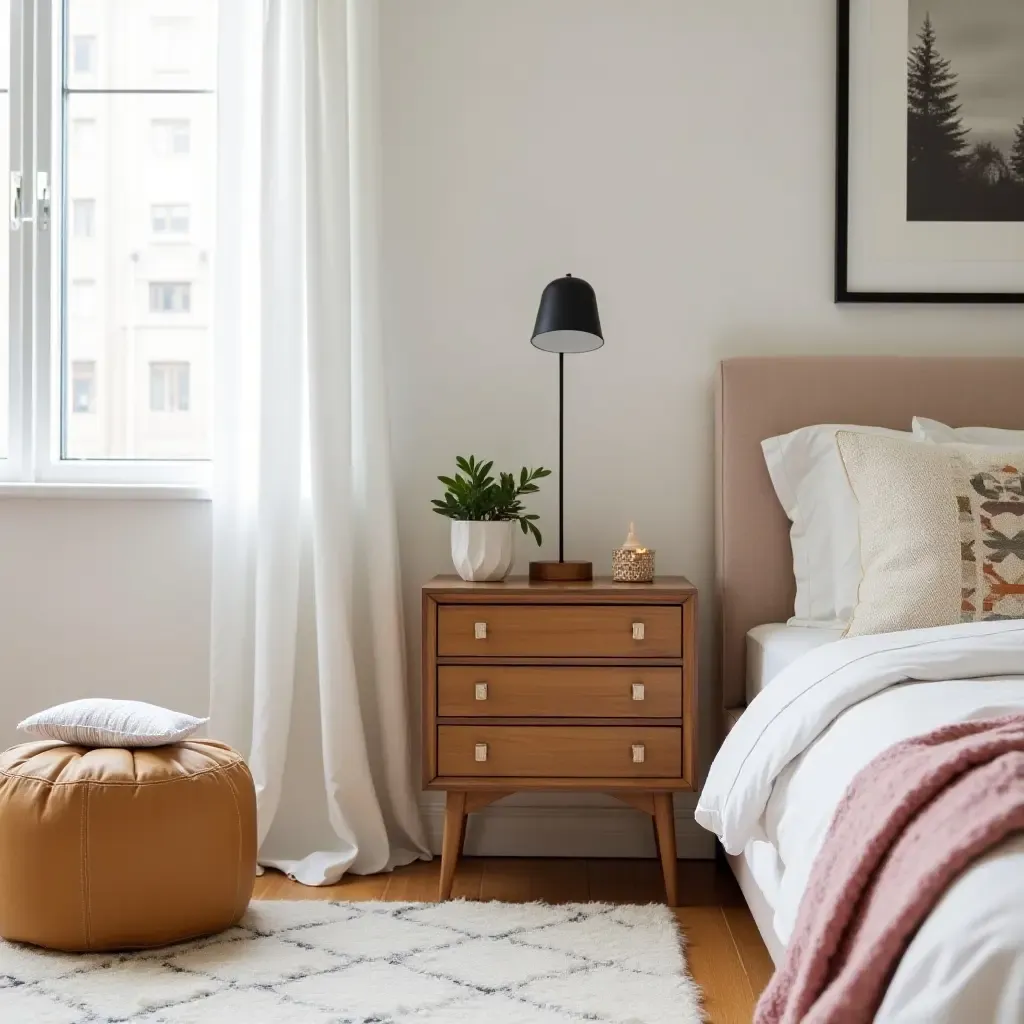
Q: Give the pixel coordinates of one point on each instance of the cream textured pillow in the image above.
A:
(808, 476)
(99, 722)
(941, 532)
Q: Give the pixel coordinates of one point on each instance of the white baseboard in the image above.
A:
(537, 827)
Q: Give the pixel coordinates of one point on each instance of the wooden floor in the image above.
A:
(723, 948)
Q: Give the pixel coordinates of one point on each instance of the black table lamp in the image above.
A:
(567, 321)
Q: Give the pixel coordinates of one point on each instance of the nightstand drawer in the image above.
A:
(559, 631)
(547, 691)
(551, 750)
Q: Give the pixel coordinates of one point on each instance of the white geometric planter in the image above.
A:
(482, 552)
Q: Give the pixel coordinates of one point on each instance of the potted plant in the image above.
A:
(484, 512)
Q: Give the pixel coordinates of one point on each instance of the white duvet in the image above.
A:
(788, 760)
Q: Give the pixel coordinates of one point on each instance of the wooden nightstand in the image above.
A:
(559, 686)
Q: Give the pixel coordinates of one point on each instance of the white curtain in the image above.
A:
(307, 658)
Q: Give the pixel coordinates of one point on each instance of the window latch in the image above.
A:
(16, 185)
(42, 217)
(42, 200)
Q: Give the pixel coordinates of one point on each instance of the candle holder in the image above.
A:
(633, 565)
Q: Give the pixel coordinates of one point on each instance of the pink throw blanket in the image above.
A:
(907, 826)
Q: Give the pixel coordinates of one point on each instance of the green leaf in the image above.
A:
(535, 532)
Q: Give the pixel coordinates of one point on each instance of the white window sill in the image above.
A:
(132, 492)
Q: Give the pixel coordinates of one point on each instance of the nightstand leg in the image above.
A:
(451, 845)
(665, 827)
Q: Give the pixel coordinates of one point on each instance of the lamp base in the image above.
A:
(561, 572)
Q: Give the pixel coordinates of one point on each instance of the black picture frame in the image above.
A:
(843, 293)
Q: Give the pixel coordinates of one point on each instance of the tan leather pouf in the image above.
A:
(121, 849)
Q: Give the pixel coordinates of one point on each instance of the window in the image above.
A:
(83, 137)
(83, 299)
(168, 387)
(171, 137)
(170, 297)
(83, 55)
(114, 111)
(169, 219)
(83, 218)
(173, 45)
(83, 386)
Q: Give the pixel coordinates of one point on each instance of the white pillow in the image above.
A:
(993, 437)
(810, 481)
(100, 722)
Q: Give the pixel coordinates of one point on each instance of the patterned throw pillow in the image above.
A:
(941, 531)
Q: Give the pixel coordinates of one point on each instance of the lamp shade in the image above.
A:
(567, 319)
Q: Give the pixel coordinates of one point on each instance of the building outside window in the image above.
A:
(169, 387)
(133, 136)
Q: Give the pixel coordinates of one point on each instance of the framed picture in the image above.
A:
(930, 151)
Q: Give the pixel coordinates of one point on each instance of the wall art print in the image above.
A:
(930, 151)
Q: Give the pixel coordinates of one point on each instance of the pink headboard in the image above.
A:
(761, 397)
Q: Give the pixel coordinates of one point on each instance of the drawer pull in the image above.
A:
(480, 691)
(638, 753)
(638, 631)
(481, 752)
(638, 691)
(480, 630)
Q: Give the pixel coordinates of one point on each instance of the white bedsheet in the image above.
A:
(786, 763)
(776, 645)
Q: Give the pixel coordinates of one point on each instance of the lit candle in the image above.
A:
(632, 544)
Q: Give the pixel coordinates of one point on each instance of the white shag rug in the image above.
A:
(312, 962)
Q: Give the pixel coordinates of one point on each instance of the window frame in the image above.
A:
(38, 390)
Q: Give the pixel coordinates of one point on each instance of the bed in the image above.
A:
(763, 397)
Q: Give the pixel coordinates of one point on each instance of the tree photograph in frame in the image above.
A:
(930, 151)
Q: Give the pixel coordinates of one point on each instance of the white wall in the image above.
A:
(102, 598)
(678, 155)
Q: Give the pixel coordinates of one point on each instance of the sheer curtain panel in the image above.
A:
(307, 656)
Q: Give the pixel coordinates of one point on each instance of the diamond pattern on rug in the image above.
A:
(385, 963)
(373, 990)
(502, 962)
(484, 1009)
(126, 989)
(488, 918)
(268, 962)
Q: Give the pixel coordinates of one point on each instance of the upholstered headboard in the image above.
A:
(762, 397)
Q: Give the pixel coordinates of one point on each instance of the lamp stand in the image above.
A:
(561, 571)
